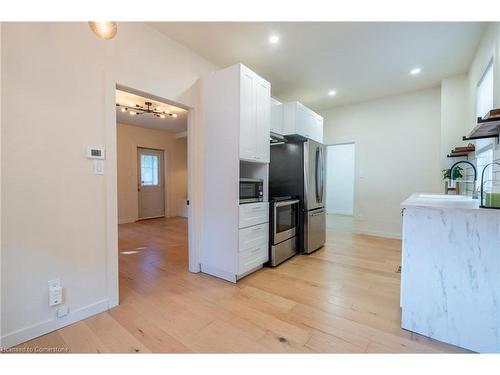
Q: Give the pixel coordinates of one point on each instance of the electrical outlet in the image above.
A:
(54, 283)
(55, 292)
(62, 311)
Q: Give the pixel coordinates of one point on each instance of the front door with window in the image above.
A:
(150, 184)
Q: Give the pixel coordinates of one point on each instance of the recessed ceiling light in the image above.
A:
(415, 71)
(274, 39)
(332, 92)
(104, 30)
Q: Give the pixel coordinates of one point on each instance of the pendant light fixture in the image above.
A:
(137, 109)
(104, 30)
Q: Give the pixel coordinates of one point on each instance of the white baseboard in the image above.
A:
(218, 273)
(127, 221)
(42, 328)
(377, 233)
(340, 212)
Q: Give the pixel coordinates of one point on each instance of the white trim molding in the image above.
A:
(25, 334)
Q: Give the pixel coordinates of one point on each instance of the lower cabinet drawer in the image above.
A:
(253, 214)
(252, 258)
(253, 236)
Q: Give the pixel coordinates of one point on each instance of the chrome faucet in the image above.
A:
(474, 193)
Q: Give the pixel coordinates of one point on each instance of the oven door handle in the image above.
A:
(286, 203)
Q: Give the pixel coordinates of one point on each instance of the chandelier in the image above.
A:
(136, 110)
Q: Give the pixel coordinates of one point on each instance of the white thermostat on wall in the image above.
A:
(95, 153)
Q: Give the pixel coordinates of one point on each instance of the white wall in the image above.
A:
(55, 219)
(489, 47)
(175, 153)
(454, 116)
(397, 153)
(340, 179)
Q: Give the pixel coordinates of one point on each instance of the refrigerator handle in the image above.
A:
(318, 174)
(323, 171)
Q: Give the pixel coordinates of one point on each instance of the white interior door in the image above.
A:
(151, 183)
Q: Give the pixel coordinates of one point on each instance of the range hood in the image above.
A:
(276, 139)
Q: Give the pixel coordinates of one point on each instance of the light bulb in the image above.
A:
(174, 115)
(167, 111)
(274, 39)
(158, 108)
(104, 30)
(162, 116)
(123, 109)
(132, 113)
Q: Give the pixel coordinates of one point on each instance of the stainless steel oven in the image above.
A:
(251, 190)
(283, 226)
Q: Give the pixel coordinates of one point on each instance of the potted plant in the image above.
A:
(457, 174)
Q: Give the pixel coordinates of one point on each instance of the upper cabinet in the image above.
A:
(276, 116)
(298, 119)
(255, 116)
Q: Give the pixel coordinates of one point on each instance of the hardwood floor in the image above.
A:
(343, 298)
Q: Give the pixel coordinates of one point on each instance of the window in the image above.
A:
(484, 103)
(149, 170)
(484, 92)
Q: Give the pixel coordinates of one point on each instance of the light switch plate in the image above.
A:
(99, 166)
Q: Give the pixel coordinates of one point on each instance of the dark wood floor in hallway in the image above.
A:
(343, 298)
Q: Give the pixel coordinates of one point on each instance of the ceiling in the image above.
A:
(171, 124)
(359, 60)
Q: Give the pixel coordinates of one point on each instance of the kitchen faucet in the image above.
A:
(474, 193)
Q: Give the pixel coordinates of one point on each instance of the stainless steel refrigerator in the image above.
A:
(297, 168)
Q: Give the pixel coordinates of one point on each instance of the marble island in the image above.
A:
(450, 277)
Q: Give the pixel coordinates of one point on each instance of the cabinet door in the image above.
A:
(247, 116)
(277, 118)
(303, 121)
(263, 116)
(319, 128)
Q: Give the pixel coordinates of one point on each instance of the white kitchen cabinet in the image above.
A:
(276, 116)
(253, 213)
(255, 116)
(235, 111)
(298, 119)
(249, 259)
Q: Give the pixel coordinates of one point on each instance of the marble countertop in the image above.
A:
(444, 201)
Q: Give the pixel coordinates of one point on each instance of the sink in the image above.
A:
(445, 197)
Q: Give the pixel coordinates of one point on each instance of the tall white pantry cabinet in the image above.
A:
(235, 115)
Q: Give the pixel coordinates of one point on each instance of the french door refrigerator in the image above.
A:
(297, 168)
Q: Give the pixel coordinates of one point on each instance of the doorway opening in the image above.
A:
(340, 166)
(152, 186)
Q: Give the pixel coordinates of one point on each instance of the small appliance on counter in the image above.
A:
(251, 190)
(282, 229)
(490, 197)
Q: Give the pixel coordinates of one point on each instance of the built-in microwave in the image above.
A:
(251, 190)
